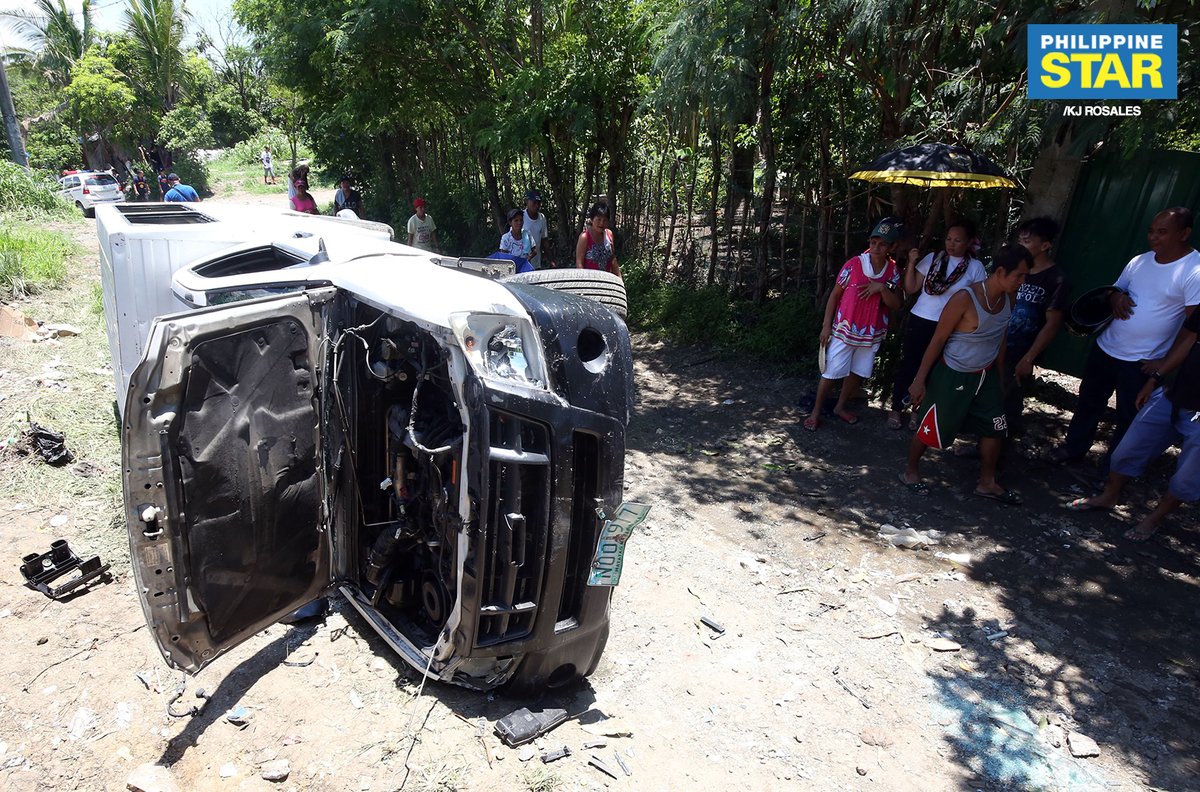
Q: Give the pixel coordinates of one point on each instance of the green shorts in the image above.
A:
(957, 402)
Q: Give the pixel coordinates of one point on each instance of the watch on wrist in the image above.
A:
(1156, 376)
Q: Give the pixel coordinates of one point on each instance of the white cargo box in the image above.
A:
(143, 245)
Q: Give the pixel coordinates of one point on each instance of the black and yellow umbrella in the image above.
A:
(935, 165)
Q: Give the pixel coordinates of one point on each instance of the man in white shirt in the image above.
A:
(1156, 291)
(535, 224)
(422, 230)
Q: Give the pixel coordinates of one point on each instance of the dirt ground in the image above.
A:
(829, 672)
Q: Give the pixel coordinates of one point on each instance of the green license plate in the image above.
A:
(610, 550)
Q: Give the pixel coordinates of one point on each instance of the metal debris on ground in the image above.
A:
(195, 709)
(624, 767)
(40, 570)
(239, 716)
(555, 755)
(521, 726)
(596, 744)
(712, 624)
(600, 765)
(908, 537)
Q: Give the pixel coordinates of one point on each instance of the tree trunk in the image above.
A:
(564, 240)
(823, 213)
(713, 200)
(493, 190)
(666, 267)
(766, 145)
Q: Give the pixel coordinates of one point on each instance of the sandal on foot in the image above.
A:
(914, 422)
(1084, 504)
(848, 418)
(915, 487)
(811, 423)
(1134, 535)
(1007, 497)
(894, 422)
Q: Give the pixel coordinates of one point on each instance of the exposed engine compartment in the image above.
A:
(400, 408)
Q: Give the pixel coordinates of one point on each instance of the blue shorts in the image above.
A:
(1150, 434)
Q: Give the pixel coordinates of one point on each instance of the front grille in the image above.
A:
(584, 523)
(513, 556)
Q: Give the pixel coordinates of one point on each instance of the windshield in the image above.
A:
(100, 180)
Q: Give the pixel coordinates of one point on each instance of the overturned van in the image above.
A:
(443, 446)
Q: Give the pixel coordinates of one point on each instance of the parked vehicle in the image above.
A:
(87, 189)
(341, 411)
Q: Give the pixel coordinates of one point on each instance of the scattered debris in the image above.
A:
(996, 636)
(61, 330)
(939, 644)
(50, 445)
(1081, 745)
(151, 778)
(555, 755)
(876, 736)
(195, 709)
(228, 770)
(600, 765)
(276, 770)
(845, 687)
(713, 625)
(624, 767)
(356, 700)
(85, 469)
(42, 569)
(596, 744)
(908, 537)
(527, 753)
(14, 324)
(239, 716)
(607, 727)
(521, 726)
(878, 632)
(962, 559)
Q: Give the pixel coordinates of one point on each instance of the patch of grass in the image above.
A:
(96, 303)
(781, 330)
(540, 779)
(31, 259)
(29, 194)
(230, 172)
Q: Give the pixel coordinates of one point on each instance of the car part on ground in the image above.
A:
(40, 570)
(604, 287)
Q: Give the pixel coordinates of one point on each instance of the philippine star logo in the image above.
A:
(1103, 62)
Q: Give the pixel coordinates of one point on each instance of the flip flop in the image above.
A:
(1008, 497)
(1082, 505)
(849, 418)
(915, 487)
(895, 423)
(914, 422)
(811, 424)
(1134, 535)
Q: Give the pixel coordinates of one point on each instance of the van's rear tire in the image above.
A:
(603, 287)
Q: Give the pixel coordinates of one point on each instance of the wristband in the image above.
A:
(1156, 376)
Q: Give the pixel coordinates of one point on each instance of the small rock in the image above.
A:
(862, 771)
(228, 770)
(43, 641)
(61, 330)
(873, 735)
(940, 644)
(151, 778)
(1081, 745)
(527, 753)
(275, 770)
(58, 520)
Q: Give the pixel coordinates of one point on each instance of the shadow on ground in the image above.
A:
(1104, 637)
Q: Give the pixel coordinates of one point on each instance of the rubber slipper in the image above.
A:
(811, 424)
(1082, 505)
(914, 422)
(894, 423)
(1008, 497)
(1134, 535)
(849, 418)
(915, 487)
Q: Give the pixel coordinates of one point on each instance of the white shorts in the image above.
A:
(842, 359)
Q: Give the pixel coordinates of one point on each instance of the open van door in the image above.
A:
(223, 472)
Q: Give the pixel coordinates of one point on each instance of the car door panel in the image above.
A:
(223, 478)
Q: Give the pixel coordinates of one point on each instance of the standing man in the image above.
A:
(1156, 291)
(422, 231)
(164, 184)
(536, 225)
(180, 193)
(141, 188)
(963, 364)
(268, 165)
(1037, 315)
(1165, 418)
(347, 197)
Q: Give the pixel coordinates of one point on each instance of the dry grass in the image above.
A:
(65, 385)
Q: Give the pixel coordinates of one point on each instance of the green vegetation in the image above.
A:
(28, 193)
(31, 259)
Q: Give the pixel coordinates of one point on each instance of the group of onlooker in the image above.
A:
(972, 339)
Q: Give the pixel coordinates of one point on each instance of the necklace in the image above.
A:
(986, 299)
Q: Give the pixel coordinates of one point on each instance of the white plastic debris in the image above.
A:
(908, 537)
(962, 559)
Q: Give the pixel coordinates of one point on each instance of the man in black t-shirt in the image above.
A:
(1167, 416)
(1037, 315)
(346, 197)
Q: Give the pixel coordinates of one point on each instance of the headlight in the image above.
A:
(501, 348)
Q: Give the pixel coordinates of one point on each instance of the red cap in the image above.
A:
(418, 202)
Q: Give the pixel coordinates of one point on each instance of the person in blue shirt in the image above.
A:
(180, 193)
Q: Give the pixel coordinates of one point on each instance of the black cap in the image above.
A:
(533, 195)
(1091, 312)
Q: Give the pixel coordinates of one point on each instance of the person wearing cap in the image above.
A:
(856, 320)
(422, 230)
(1153, 296)
(180, 193)
(1037, 315)
(536, 226)
(346, 197)
(268, 163)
